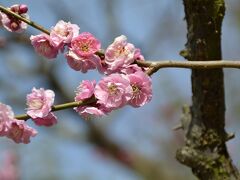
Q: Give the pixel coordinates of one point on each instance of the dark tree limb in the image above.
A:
(205, 150)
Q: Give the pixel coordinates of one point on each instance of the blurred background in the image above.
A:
(129, 144)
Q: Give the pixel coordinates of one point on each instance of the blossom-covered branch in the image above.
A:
(155, 65)
(59, 107)
(126, 74)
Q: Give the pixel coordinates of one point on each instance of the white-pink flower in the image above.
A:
(63, 32)
(88, 111)
(20, 132)
(40, 102)
(85, 44)
(119, 54)
(6, 115)
(43, 46)
(85, 90)
(138, 55)
(113, 91)
(13, 24)
(81, 63)
(132, 68)
(141, 87)
(17, 130)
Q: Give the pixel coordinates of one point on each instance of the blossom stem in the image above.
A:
(59, 107)
(154, 66)
(29, 22)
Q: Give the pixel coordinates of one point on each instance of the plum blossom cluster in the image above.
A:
(17, 130)
(39, 103)
(82, 49)
(13, 24)
(113, 92)
(124, 82)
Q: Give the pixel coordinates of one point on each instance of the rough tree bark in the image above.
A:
(205, 149)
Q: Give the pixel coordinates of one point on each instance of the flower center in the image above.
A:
(62, 32)
(120, 51)
(112, 89)
(36, 104)
(136, 89)
(84, 47)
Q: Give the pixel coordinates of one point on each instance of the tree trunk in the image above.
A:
(205, 149)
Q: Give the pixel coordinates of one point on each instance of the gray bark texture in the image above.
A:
(205, 149)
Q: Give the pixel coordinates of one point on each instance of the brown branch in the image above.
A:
(212, 64)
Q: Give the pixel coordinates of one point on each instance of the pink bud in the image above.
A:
(23, 9)
(11, 23)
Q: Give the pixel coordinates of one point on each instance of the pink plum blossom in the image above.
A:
(119, 54)
(20, 132)
(43, 46)
(95, 111)
(17, 130)
(85, 44)
(63, 32)
(138, 55)
(81, 63)
(13, 24)
(6, 115)
(48, 120)
(142, 89)
(132, 68)
(113, 91)
(40, 102)
(85, 90)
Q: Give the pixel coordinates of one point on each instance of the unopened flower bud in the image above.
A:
(23, 9)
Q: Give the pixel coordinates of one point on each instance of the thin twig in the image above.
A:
(211, 64)
(154, 66)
